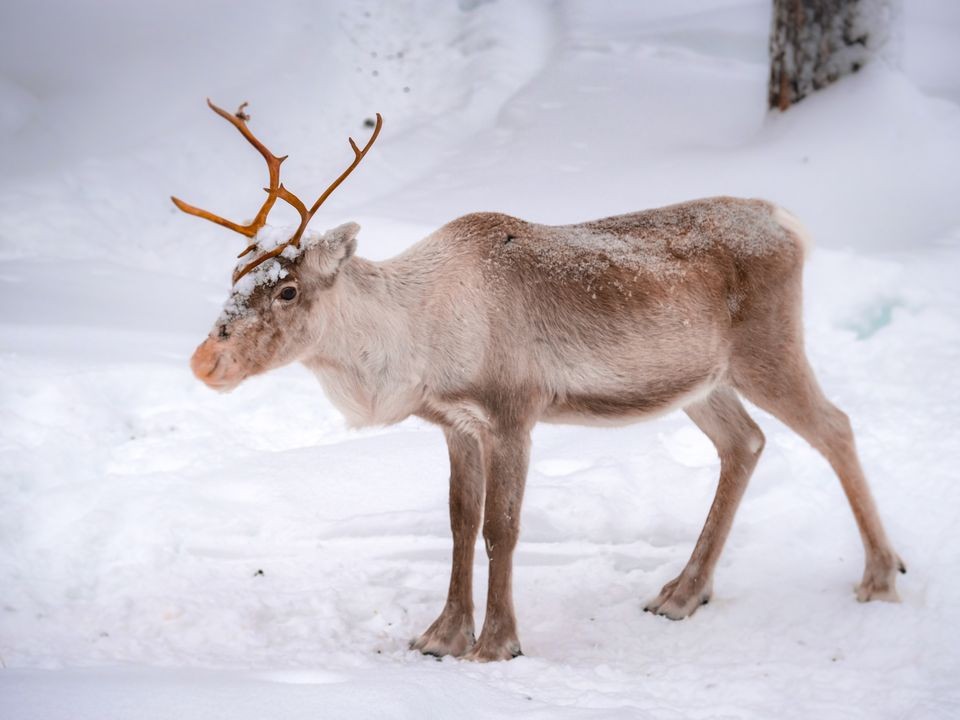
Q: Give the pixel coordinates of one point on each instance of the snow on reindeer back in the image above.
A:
(660, 241)
(268, 273)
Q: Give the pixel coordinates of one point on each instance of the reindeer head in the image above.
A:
(281, 282)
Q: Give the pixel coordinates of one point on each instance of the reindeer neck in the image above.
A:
(368, 356)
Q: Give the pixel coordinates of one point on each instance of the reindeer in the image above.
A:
(492, 324)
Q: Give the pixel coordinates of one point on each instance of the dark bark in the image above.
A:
(814, 42)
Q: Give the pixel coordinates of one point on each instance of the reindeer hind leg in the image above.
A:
(786, 387)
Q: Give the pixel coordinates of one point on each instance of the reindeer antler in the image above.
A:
(274, 191)
(307, 215)
(239, 121)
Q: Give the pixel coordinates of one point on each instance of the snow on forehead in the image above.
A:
(270, 236)
(267, 273)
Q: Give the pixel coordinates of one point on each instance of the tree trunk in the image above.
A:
(814, 42)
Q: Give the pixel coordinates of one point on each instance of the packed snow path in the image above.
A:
(169, 552)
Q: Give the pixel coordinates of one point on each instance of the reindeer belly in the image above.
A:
(637, 370)
(628, 403)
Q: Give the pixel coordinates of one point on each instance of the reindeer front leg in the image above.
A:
(506, 456)
(452, 632)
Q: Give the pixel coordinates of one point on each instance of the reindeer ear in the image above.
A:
(342, 241)
(334, 248)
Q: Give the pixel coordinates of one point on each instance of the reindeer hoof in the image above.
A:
(880, 580)
(885, 591)
(448, 635)
(493, 651)
(678, 600)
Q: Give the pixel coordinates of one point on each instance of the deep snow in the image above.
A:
(169, 552)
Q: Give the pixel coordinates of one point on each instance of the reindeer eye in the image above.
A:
(288, 293)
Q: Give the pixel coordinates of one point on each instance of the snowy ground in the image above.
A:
(167, 552)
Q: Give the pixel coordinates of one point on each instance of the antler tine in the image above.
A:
(298, 205)
(239, 121)
(358, 156)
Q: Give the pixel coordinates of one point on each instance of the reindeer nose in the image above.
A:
(205, 361)
(212, 365)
